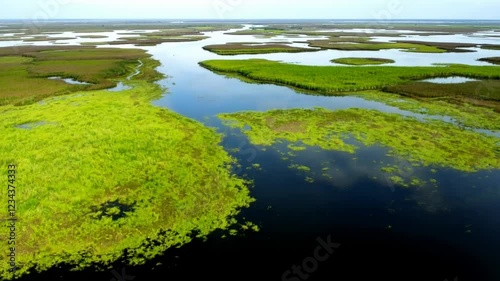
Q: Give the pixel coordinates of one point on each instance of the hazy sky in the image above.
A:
(251, 9)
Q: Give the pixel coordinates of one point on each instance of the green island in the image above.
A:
(254, 48)
(431, 142)
(329, 80)
(110, 176)
(346, 45)
(447, 46)
(362, 61)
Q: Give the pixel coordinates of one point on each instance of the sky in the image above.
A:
(250, 9)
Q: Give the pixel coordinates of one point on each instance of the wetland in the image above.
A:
(182, 150)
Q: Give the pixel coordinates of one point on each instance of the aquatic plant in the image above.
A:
(429, 142)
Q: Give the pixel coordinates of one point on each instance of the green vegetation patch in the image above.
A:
(254, 48)
(93, 36)
(493, 60)
(464, 114)
(430, 143)
(490, 47)
(332, 80)
(153, 41)
(47, 38)
(100, 172)
(482, 93)
(266, 31)
(448, 46)
(24, 70)
(362, 61)
(347, 45)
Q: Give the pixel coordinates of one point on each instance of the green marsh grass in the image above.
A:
(429, 143)
(332, 80)
(493, 60)
(362, 61)
(465, 114)
(23, 74)
(153, 41)
(242, 49)
(483, 93)
(447, 46)
(347, 45)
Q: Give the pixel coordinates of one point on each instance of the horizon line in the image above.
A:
(217, 19)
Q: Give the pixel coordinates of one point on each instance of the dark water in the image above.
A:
(385, 232)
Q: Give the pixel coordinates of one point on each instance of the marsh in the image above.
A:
(272, 150)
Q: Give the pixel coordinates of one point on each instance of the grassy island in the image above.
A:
(362, 61)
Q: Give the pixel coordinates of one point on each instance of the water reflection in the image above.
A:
(69, 80)
(449, 80)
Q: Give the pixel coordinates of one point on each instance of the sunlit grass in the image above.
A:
(105, 175)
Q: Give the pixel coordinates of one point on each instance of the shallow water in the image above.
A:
(69, 80)
(449, 80)
(120, 87)
(386, 232)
